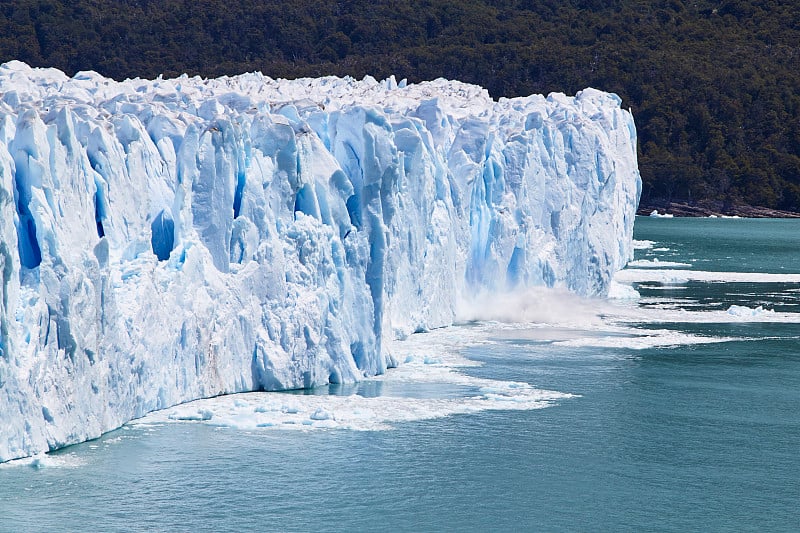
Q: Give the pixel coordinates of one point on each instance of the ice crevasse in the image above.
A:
(166, 240)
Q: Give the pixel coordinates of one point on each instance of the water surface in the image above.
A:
(677, 411)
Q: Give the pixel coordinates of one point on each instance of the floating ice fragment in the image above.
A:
(748, 312)
(200, 414)
(655, 214)
(622, 291)
(320, 414)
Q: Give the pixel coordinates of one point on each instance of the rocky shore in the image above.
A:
(711, 208)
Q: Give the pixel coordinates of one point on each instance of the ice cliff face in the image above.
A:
(166, 240)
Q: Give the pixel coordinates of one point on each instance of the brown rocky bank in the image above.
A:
(717, 208)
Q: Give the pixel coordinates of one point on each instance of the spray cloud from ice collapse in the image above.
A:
(166, 240)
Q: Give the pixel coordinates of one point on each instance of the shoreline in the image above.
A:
(719, 209)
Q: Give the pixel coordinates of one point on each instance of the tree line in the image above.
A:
(713, 85)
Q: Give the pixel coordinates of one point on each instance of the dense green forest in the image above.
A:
(713, 85)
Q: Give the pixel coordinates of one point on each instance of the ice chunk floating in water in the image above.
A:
(169, 240)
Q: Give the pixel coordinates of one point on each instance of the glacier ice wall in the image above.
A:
(167, 240)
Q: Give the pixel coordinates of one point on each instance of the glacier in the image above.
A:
(173, 239)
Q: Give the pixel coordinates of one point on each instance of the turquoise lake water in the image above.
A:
(677, 411)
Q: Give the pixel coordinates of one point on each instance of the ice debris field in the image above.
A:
(168, 240)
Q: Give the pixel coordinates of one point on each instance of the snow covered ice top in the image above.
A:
(165, 240)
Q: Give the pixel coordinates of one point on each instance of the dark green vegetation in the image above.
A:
(713, 85)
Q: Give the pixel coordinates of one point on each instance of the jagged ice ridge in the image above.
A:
(166, 240)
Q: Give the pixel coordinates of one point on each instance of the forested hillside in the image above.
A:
(713, 85)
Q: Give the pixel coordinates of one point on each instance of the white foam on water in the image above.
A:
(619, 324)
(307, 412)
(663, 287)
(638, 339)
(624, 329)
(621, 331)
(656, 263)
(667, 313)
(46, 460)
(642, 245)
(429, 358)
(670, 303)
(774, 294)
(536, 305)
(640, 275)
